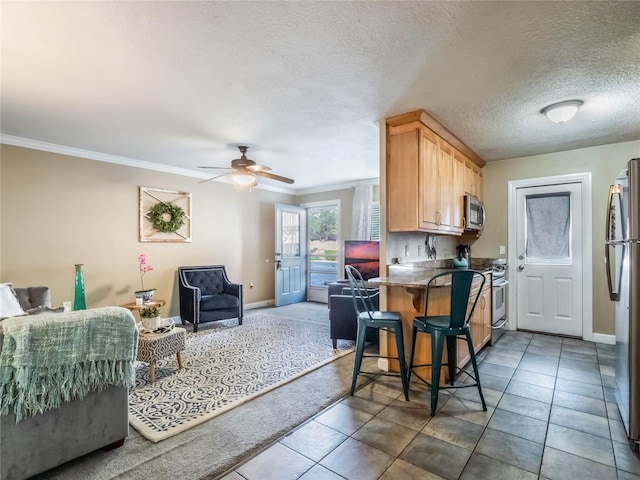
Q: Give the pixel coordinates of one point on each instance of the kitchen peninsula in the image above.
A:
(405, 286)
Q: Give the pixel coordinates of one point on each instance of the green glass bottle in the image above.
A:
(79, 302)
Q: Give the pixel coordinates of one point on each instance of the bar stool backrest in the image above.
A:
(461, 283)
(359, 292)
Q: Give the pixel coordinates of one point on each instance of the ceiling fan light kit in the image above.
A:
(243, 179)
(244, 171)
(562, 112)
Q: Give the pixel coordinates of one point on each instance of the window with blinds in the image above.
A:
(374, 222)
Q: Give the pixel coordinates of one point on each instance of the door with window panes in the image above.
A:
(290, 255)
(549, 268)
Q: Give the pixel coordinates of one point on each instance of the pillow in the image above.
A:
(43, 309)
(9, 305)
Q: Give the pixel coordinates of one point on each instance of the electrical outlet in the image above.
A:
(419, 250)
(503, 250)
(406, 250)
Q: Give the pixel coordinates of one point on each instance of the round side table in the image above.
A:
(133, 306)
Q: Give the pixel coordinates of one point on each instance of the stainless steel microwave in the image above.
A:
(473, 213)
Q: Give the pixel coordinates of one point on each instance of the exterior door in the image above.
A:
(549, 259)
(323, 241)
(291, 255)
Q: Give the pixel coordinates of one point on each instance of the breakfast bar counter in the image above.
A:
(405, 287)
(413, 278)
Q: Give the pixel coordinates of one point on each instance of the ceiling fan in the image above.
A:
(244, 171)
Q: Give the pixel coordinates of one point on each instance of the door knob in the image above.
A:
(520, 267)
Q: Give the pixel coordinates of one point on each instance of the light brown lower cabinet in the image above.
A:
(410, 303)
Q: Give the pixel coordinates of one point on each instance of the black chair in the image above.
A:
(207, 295)
(343, 321)
(449, 327)
(369, 317)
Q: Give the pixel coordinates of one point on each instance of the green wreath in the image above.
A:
(157, 216)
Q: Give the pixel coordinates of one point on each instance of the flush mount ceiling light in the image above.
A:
(562, 111)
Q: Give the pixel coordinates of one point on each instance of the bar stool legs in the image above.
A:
(360, 341)
(402, 361)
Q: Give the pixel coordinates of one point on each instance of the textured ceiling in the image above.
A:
(306, 83)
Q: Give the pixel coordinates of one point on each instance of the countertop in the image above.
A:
(415, 275)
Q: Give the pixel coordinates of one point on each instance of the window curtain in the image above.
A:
(548, 227)
(361, 212)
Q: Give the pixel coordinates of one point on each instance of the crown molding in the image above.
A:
(126, 161)
(338, 186)
(158, 167)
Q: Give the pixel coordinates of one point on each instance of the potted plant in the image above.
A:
(150, 317)
(145, 294)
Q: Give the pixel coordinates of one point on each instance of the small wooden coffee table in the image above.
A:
(156, 346)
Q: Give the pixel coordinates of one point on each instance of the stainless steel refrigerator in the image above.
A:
(622, 258)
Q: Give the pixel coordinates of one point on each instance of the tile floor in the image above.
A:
(551, 415)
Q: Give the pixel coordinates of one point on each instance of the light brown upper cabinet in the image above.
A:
(427, 175)
(472, 177)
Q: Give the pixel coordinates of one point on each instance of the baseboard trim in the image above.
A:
(264, 303)
(604, 338)
(247, 306)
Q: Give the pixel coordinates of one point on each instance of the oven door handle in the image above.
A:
(502, 324)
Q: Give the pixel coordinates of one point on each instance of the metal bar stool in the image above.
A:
(371, 317)
(449, 327)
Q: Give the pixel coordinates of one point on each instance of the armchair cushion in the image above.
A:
(222, 300)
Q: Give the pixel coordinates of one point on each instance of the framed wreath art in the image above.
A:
(165, 215)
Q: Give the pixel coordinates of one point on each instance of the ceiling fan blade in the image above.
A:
(218, 176)
(258, 168)
(273, 176)
(218, 168)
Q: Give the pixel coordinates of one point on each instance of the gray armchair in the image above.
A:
(207, 295)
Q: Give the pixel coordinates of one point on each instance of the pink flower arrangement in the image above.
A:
(144, 267)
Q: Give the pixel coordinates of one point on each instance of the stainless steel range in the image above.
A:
(499, 321)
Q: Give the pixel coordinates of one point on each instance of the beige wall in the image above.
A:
(345, 196)
(59, 210)
(604, 163)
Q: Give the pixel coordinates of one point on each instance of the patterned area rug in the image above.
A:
(226, 365)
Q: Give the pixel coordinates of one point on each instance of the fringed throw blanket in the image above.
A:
(53, 358)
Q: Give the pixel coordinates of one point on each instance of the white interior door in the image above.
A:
(549, 259)
(291, 255)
